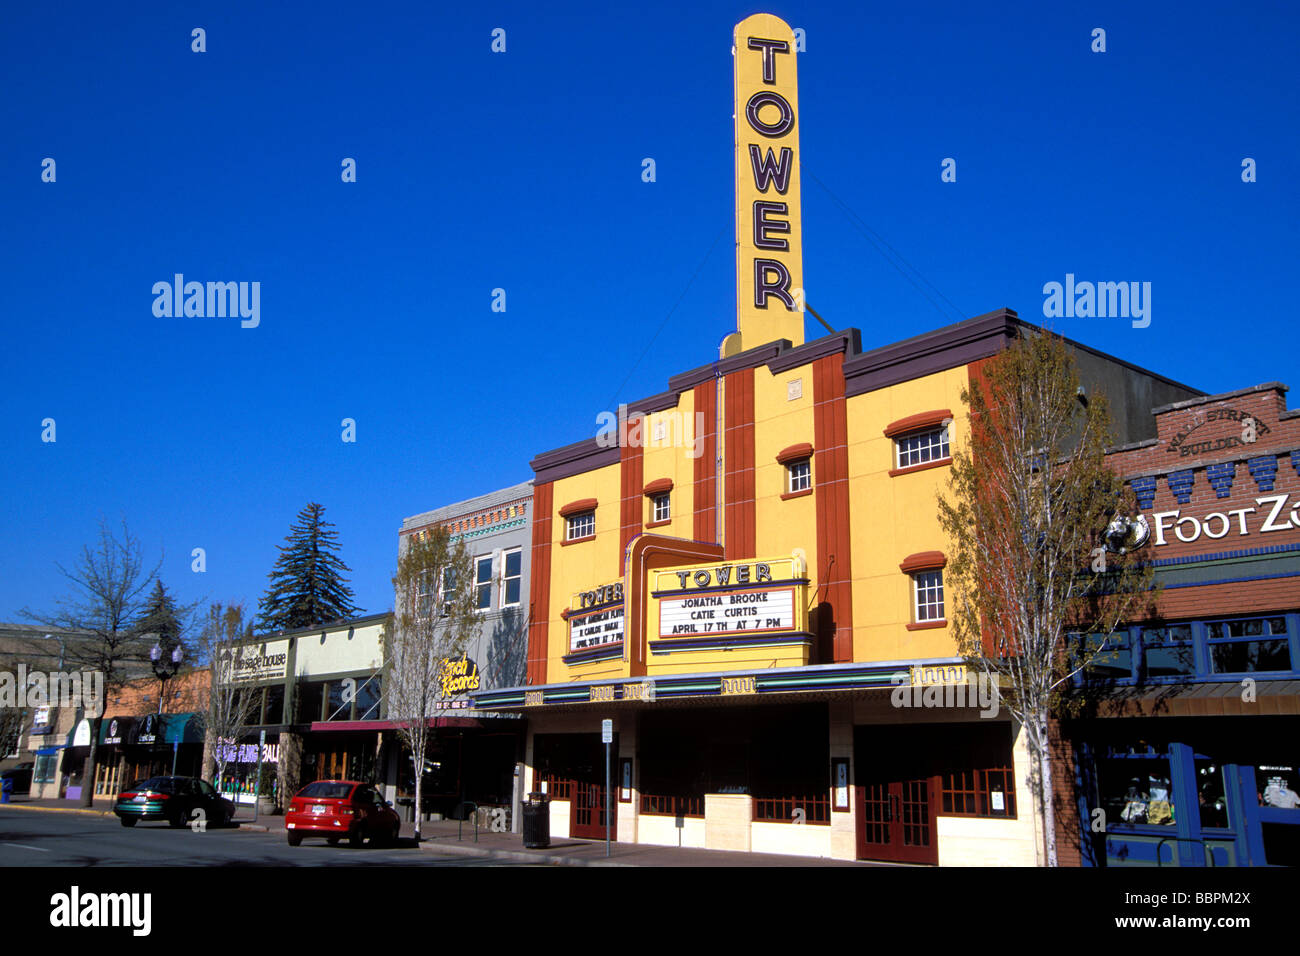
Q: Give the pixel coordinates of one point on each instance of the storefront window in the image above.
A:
(1232, 650)
(43, 772)
(340, 702)
(1113, 659)
(1135, 786)
(1210, 793)
(368, 694)
(310, 701)
(274, 704)
(979, 779)
(1168, 651)
(1278, 785)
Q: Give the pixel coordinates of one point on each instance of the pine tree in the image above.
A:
(307, 584)
(161, 617)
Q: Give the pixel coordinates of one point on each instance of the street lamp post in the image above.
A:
(166, 656)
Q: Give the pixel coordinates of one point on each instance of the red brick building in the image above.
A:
(1192, 751)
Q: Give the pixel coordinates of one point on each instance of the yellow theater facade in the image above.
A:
(748, 572)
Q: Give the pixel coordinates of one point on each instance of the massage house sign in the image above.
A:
(736, 599)
(255, 662)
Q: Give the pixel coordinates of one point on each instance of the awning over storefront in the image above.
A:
(115, 731)
(49, 751)
(1203, 699)
(152, 730)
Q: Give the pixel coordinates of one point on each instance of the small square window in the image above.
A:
(799, 475)
(927, 587)
(919, 448)
(662, 507)
(582, 525)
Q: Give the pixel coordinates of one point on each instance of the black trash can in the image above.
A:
(537, 822)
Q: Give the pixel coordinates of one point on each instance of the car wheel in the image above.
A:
(333, 841)
(295, 839)
(356, 837)
(127, 821)
(395, 834)
(176, 820)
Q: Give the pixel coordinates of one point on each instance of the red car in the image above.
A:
(335, 809)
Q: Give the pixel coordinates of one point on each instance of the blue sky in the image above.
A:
(522, 171)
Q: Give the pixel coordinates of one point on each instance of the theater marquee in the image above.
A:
(731, 600)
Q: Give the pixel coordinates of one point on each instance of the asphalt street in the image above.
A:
(77, 839)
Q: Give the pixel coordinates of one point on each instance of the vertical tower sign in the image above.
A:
(769, 226)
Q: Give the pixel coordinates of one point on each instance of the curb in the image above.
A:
(28, 806)
(515, 856)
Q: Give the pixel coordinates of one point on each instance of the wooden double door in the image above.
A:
(896, 793)
(588, 812)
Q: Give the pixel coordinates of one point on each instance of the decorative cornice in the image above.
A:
(794, 452)
(918, 421)
(923, 561)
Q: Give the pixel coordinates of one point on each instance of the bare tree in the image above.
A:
(107, 602)
(1032, 496)
(233, 706)
(435, 620)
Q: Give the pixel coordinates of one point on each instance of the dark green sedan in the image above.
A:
(180, 801)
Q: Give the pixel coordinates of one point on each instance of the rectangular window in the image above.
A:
(1133, 783)
(44, 770)
(1114, 660)
(800, 475)
(310, 701)
(977, 776)
(483, 583)
(512, 574)
(928, 587)
(919, 448)
(662, 507)
(340, 700)
(1254, 644)
(367, 699)
(1167, 651)
(274, 704)
(582, 525)
(448, 590)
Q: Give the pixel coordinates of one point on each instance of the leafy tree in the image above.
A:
(107, 605)
(307, 584)
(1031, 496)
(435, 620)
(233, 708)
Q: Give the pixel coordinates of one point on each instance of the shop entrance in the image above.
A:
(895, 796)
(573, 768)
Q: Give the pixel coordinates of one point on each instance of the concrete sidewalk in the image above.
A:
(449, 836)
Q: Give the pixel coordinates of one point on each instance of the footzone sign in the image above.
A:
(769, 227)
